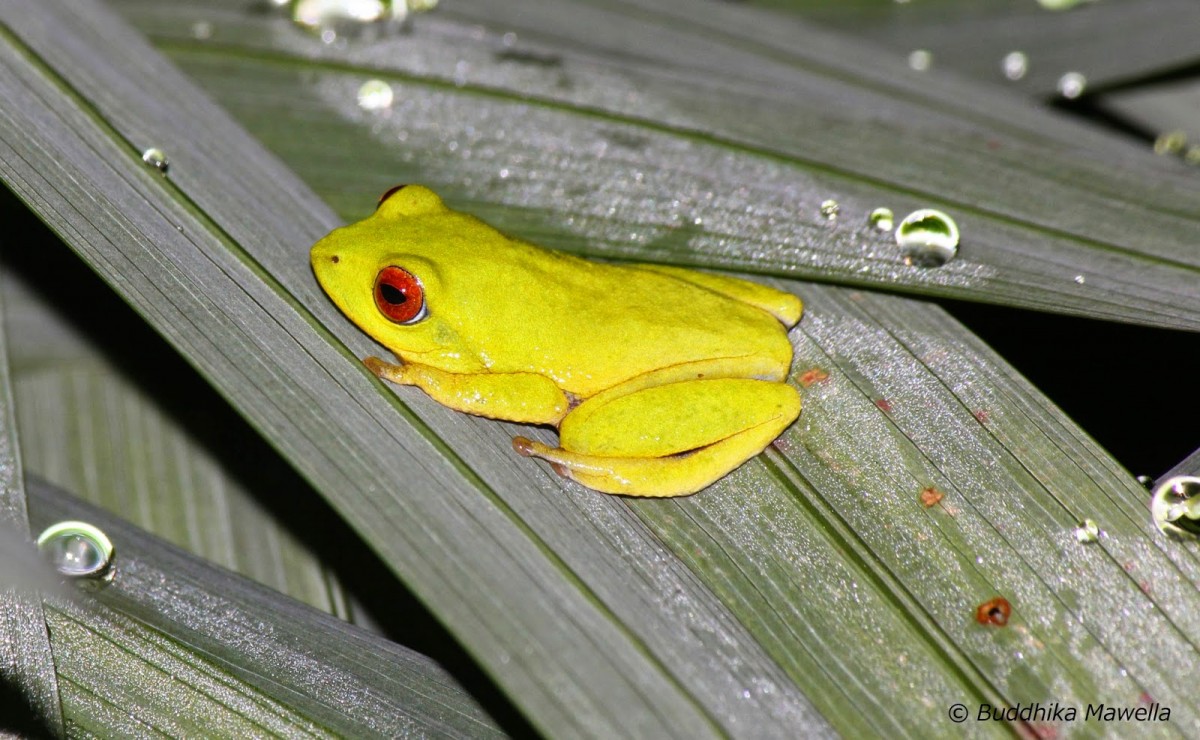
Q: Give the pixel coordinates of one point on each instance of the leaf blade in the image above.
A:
(629, 691)
(27, 679)
(331, 677)
(1064, 231)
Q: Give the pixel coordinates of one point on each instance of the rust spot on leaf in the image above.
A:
(994, 612)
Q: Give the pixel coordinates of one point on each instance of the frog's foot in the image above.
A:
(678, 443)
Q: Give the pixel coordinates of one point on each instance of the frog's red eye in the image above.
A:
(390, 192)
(399, 296)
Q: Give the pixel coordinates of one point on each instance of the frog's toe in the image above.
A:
(528, 448)
(385, 370)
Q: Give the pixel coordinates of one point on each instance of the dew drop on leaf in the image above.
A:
(928, 237)
(1087, 532)
(920, 60)
(76, 549)
(1071, 85)
(1175, 506)
(1015, 65)
(157, 159)
(882, 219)
(375, 95)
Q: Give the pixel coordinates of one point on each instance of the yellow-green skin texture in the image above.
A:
(660, 380)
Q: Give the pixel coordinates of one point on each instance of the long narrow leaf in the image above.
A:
(813, 574)
(1109, 42)
(1160, 109)
(558, 652)
(666, 166)
(331, 677)
(120, 426)
(28, 687)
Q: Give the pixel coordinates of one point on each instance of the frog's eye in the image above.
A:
(399, 296)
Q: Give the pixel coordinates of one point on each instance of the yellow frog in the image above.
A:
(659, 379)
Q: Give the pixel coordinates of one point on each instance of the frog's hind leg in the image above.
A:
(679, 439)
(674, 475)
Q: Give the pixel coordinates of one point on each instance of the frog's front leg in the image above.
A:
(668, 440)
(522, 397)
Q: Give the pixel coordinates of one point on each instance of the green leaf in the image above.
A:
(1160, 109)
(972, 37)
(810, 589)
(27, 680)
(105, 409)
(566, 139)
(242, 659)
(558, 651)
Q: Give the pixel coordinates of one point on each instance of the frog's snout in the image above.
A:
(325, 255)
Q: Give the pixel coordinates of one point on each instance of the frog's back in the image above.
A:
(590, 325)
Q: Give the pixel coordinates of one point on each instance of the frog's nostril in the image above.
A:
(335, 259)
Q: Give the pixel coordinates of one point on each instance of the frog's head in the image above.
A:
(374, 273)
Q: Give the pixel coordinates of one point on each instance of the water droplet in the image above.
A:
(1146, 481)
(1089, 531)
(920, 60)
(375, 95)
(928, 237)
(509, 39)
(1071, 85)
(829, 209)
(157, 159)
(350, 17)
(77, 549)
(1175, 506)
(326, 13)
(400, 9)
(1080, 279)
(1061, 4)
(882, 219)
(1171, 142)
(1015, 65)
(202, 30)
